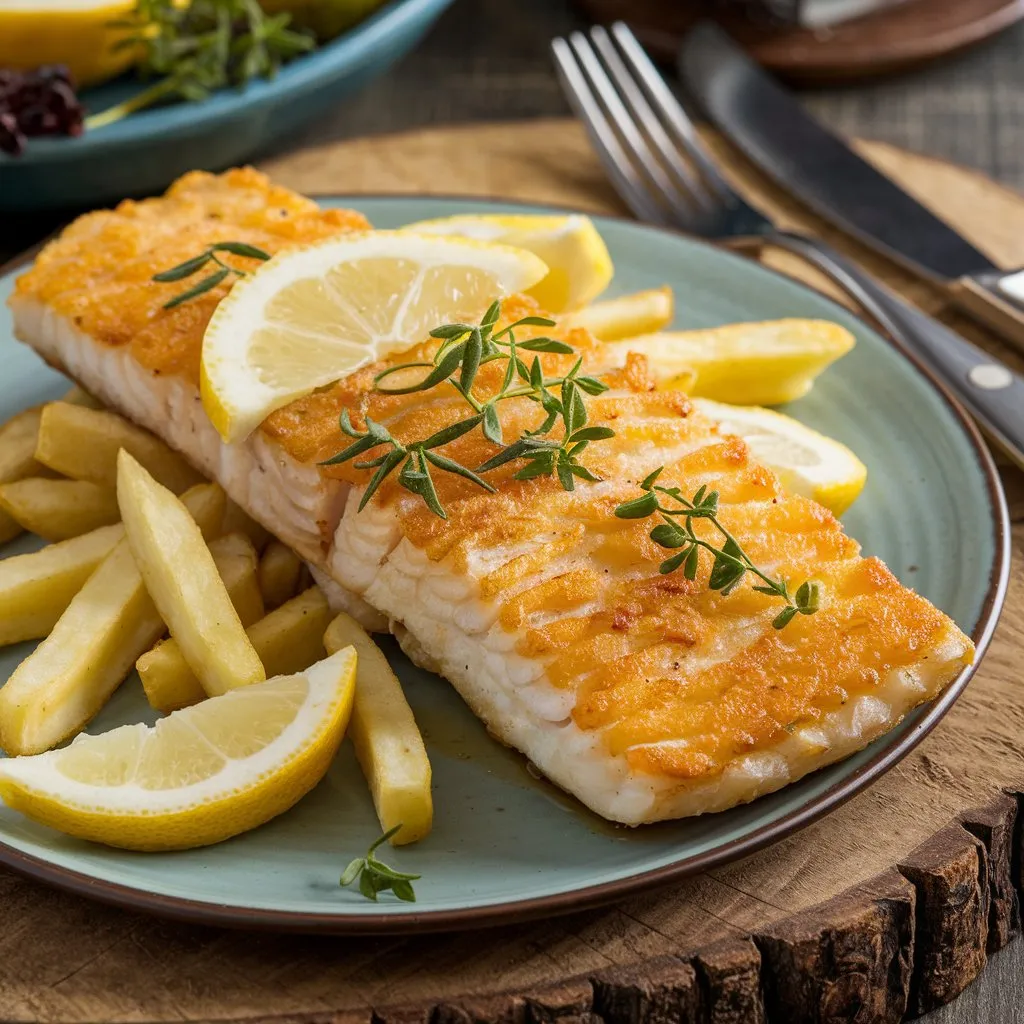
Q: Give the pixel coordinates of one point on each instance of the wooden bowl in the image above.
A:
(886, 42)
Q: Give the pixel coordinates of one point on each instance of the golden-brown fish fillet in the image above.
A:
(647, 696)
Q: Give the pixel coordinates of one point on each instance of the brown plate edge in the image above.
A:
(230, 916)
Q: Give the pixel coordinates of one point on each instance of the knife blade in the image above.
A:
(818, 168)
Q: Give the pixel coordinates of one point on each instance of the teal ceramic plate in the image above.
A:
(506, 845)
(142, 154)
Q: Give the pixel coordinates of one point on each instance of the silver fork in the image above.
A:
(662, 171)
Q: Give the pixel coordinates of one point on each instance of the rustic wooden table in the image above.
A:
(891, 904)
(66, 960)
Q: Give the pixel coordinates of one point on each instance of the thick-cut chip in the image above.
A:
(183, 581)
(237, 520)
(9, 527)
(83, 444)
(18, 438)
(288, 639)
(36, 588)
(79, 396)
(68, 678)
(17, 460)
(626, 316)
(280, 573)
(59, 509)
(387, 741)
(18, 446)
(236, 561)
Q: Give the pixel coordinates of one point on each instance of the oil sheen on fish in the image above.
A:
(647, 696)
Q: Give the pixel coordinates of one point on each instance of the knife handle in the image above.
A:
(996, 300)
(990, 391)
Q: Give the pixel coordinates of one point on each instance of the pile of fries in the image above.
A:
(128, 562)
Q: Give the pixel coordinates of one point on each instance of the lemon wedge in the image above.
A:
(806, 462)
(579, 267)
(766, 363)
(310, 316)
(76, 33)
(201, 775)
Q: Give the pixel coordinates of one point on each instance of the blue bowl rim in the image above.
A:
(514, 912)
(350, 50)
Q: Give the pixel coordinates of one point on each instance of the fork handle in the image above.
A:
(987, 388)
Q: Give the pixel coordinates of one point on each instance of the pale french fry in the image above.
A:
(18, 437)
(288, 640)
(17, 460)
(36, 588)
(280, 572)
(9, 527)
(236, 562)
(18, 446)
(163, 670)
(626, 316)
(58, 509)
(83, 444)
(65, 681)
(387, 741)
(291, 637)
(79, 396)
(237, 520)
(183, 581)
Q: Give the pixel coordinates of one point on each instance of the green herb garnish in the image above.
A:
(200, 46)
(731, 564)
(196, 263)
(376, 877)
(464, 349)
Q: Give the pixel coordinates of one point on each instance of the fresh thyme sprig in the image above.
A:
(376, 877)
(676, 532)
(197, 47)
(464, 349)
(197, 263)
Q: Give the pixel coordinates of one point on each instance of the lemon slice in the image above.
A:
(579, 267)
(806, 462)
(202, 774)
(310, 316)
(76, 33)
(766, 363)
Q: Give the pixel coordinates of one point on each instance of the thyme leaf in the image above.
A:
(375, 877)
(194, 264)
(463, 350)
(730, 564)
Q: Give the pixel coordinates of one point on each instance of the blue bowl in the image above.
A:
(145, 152)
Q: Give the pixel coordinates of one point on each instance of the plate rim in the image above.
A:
(337, 922)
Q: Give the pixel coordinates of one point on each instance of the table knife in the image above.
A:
(816, 166)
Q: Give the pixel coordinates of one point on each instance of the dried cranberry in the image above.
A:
(11, 139)
(40, 102)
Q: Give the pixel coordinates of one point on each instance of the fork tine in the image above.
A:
(673, 115)
(624, 124)
(603, 137)
(634, 97)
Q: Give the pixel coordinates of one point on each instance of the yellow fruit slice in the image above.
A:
(311, 316)
(201, 775)
(626, 316)
(766, 363)
(806, 462)
(76, 33)
(579, 267)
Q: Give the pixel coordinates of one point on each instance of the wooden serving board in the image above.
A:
(888, 906)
